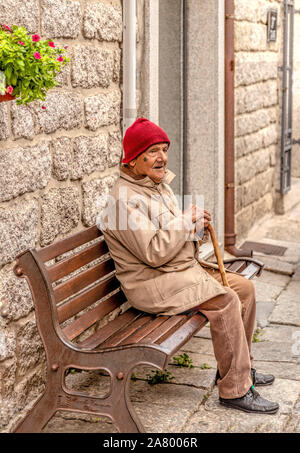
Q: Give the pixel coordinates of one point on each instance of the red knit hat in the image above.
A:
(140, 136)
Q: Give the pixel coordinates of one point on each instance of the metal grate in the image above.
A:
(287, 98)
(267, 249)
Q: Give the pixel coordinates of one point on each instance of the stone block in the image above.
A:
(63, 76)
(92, 67)
(60, 18)
(254, 121)
(102, 109)
(255, 97)
(15, 296)
(103, 21)
(117, 65)
(4, 125)
(7, 378)
(18, 12)
(24, 170)
(28, 390)
(60, 213)
(7, 344)
(245, 169)
(62, 158)
(22, 122)
(18, 229)
(253, 67)
(92, 190)
(251, 37)
(30, 348)
(260, 139)
(63, 111)
(90, 154)
(243, 221)
(245, 11)
(262, 206)
(114, 148)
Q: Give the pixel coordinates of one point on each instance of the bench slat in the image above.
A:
(107, 331)
(144, 331)
(237, 266)
(183, 334)
(251, 270)
(70, 243)
(80, 281)
(68, 265)
(86, 298)
(92, 316)
(121, 336)
(166, 328)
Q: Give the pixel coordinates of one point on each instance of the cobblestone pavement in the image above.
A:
(188, 403)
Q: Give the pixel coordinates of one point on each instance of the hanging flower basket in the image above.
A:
(6, 97)
(28, 65)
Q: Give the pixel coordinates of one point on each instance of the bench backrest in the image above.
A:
(82, 275)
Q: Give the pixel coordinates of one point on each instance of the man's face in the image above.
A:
(152, 162)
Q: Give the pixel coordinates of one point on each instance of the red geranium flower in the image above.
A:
(6, 27)
(51, 44)
(35, 38)
(60, 59)
(21, 43)
(9, 89)
(37, 55)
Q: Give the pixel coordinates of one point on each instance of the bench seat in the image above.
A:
(85, 322)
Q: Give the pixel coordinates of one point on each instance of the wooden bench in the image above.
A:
(72, 292)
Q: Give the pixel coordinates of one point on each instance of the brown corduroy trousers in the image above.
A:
(232, 320)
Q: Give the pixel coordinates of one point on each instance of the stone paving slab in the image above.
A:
(273, 351)
(192, 377)
(287, 310)
(67, 422)
(281, 370)
(161, 419)
(200, 345)
(272, 278)
(275, 332)
(266, 291)
(212, 417)
(263, 311)
(276, 265)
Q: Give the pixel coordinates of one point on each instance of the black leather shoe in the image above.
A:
(251, 402)
(257, 378)
(261, 379)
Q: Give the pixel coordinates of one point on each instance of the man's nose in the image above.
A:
(162, 156)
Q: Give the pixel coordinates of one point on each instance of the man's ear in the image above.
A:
(132, 163)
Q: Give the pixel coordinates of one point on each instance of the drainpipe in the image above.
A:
(230, 235)
(129, 63)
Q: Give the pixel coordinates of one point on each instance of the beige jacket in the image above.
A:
(157, 267)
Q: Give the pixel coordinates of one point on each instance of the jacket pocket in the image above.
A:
(171, 283)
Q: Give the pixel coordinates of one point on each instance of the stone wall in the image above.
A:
(296, 94)
(257, 111)
(54, 163)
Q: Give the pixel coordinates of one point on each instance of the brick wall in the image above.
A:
(54, 163)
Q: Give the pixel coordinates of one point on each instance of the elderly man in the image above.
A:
(158, 267)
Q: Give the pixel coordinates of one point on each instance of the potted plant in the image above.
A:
(28, 65)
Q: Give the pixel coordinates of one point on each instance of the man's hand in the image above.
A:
(198, 216)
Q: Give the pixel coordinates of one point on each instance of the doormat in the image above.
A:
(267, 249)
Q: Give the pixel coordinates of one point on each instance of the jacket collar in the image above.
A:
(145, 180)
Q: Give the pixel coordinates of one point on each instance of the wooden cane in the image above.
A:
(218, 254)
